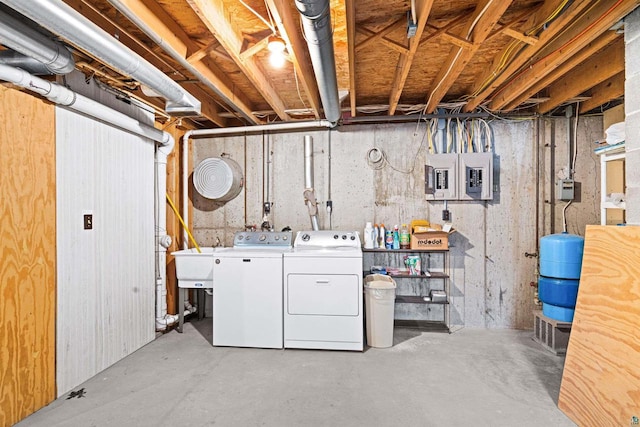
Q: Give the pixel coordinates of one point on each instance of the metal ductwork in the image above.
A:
(53, 56)
(64, 21)
(18, 60)
(316, 22)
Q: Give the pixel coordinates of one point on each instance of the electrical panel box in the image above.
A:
(565, 189)
(441, 177)
(475, 176)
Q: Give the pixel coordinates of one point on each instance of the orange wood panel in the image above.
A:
(601, 379)
(174, 229)
(28, 260)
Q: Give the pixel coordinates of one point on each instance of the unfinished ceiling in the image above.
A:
(462, 56)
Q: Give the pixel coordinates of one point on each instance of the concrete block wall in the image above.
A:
(490, 270)
(632, 109)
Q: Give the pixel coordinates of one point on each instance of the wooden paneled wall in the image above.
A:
(601, 378)
(27, 255)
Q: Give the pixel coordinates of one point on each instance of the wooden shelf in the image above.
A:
(416, 299)
(391, 251)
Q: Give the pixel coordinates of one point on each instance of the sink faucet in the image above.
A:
(218, 242)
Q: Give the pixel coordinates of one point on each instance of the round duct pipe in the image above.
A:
(218, 178)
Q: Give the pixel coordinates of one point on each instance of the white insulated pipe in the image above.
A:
(66, 98)
(218, 132)
(179, 57)
(62, 20)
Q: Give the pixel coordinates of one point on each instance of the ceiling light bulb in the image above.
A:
(276, 44)
(277, 59)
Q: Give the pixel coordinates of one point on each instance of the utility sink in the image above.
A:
(193, 269)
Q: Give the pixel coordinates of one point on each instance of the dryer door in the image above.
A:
(323, 295)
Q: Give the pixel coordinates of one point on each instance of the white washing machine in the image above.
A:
(247, 290)
(323, 291)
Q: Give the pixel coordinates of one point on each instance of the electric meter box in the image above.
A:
(475, 176)
(565, 189)
(441, 177)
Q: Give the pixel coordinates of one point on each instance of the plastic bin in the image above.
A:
(380, 296)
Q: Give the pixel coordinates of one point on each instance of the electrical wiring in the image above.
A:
(377, 159)
(455, 59)
(509, 51)
(567, 43)
(269, 25)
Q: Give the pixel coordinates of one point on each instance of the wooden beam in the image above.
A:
(563, 69)
(520, 36)
(405, 61)
(351, 48)
(509, 25)
(175, 38)
(598, 68)
(216, 18)
(445, 27)
(97, 17)
(254, 48)
(201, 53)
(380, 34)
(456, 40)
(595, 21)
(286, 20)
(385, 41)
(499, 72)
(478, 28)
(604, 92)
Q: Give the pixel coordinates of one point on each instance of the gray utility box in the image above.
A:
(476, 176)
(465, 176)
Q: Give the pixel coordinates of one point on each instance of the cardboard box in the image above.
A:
(430, 237)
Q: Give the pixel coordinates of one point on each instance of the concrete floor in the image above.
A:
(469, 378)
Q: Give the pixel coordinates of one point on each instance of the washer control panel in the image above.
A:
(257, 238)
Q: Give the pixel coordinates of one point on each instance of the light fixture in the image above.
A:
(276, 47)
(276, 44)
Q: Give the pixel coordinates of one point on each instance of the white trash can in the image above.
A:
(380, 296)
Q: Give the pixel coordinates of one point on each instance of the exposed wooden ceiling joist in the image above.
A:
(404, 63)
(609, 89)
(215, 17)
(595, 20)
(598, 68)
(500, 71)
(283, 16)
(175, 38)
(478, 28)
(564, 68)
(351, 49)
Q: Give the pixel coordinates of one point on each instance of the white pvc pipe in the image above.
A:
(66, 98)
(293, 126)
(61, 19)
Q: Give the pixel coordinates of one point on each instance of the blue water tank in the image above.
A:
(561, 256)
(563, 314)
(558, 292)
